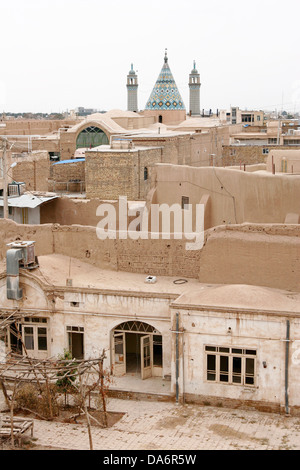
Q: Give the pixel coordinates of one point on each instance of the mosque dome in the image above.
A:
(165, 94)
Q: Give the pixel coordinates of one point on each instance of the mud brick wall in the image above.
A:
(247, 154)
(34, 171)
(110, 174)
(64, 172)
(255, 254)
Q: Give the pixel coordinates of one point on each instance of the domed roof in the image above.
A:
(241, 296)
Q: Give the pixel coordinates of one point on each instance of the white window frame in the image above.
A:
(218, 352)
(35, 323)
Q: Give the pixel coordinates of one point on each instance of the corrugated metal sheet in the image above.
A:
(27, 200)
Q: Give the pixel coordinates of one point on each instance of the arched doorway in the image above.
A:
(136, 349)
(90, 137)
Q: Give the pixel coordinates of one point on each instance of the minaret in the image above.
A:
(132, 86)
(194, 86)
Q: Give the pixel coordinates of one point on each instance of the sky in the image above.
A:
(57, 55)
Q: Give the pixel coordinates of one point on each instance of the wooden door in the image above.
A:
(146, 356)
(119, 354)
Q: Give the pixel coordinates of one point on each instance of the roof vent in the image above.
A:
(150, 279)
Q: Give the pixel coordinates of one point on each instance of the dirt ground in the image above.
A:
(70, 415)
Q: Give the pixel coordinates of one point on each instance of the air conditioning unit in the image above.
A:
(28, 260)
(16, 189)
(19, 255)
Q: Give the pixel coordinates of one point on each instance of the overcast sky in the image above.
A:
(61, 54)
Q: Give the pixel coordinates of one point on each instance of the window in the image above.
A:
(29, 337)
(291, 142)
(35, 334)
(185, 200)
(230, 365)
(265, 151)
(145, 173)
(247, 117)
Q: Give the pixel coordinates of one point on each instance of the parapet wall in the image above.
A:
(236, 196)
(265, 255)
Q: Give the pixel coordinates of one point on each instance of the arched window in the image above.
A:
(90, 137)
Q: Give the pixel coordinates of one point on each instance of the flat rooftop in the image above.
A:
(55, 269)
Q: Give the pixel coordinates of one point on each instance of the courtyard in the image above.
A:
(152, 425)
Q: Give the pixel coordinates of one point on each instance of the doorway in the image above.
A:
(137, 349)
(76, 341)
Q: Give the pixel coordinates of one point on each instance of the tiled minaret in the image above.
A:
(132, 89)
(194, 86)
(165, 101)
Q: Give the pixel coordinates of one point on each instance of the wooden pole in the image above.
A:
(12, 414)
(48, 394)
(86, 413)
(102, 392)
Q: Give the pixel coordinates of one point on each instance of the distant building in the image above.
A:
(238, 116)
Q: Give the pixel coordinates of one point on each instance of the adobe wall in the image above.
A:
(265, 255)
(155, 257)
(168, 117)
(34, 170)
(110, 173)
(202, 147)
(236, 196)
(35, 126)
(51, 145)
(36, 144)
(248, 154)
(175, 149)
(287, 160)
(67, 211)
(61, 173)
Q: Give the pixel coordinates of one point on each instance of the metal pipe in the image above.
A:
(177, 357)
(5, 192)
(287, 344)
(183, 384)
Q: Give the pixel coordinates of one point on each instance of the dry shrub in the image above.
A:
(43, 407)
(28, 397)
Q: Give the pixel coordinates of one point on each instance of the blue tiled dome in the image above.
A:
(165, 94)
